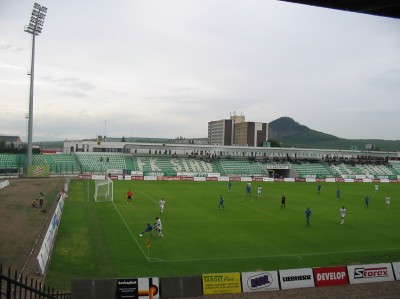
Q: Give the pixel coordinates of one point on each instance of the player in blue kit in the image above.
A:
(221, 203)
(366, 201)
(338, 194)
(248, 189)
(308, 215)
(148, 229)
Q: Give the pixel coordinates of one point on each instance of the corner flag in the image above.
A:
(148, 243)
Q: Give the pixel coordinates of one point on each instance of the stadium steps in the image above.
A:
(316, 170)
(8, 161)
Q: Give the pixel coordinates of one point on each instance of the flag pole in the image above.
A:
(148, 246)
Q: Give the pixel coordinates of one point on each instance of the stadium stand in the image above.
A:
(102, 162)
(8, 161)
(317, 170)
(62, 163)
(170, 166)
(241, 167)
(396, 168)
(364, 170)
(10, 164)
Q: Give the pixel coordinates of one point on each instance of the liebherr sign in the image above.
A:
(370, 273)
(296, 278)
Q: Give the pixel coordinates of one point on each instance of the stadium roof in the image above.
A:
(384, 8)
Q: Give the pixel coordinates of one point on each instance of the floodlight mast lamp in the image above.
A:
(35, 28)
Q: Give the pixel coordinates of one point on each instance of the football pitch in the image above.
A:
(101, 240)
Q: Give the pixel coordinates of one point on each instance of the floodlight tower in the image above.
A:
(35, 28)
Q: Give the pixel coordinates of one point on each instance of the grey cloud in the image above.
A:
(73, 82)
(10, 47)
(72, 93)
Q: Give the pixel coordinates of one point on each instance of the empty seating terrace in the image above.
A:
(319, 170)
(172, 166)
(242, 167)
(96, 163)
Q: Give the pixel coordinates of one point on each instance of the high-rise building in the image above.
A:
(236, 131)
(220, 132)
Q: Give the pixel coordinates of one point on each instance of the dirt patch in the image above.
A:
(22, 229)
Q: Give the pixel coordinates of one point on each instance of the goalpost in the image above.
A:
(103, 190)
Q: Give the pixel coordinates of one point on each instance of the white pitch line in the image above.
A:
(268, 256)
(145, 194)
(130, 232)
(258, 210)
(207, 221)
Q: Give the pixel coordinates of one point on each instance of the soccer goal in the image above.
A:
(104, 190)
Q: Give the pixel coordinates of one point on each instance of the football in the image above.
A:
(140, 235)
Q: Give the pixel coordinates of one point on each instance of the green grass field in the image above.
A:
(101, 240)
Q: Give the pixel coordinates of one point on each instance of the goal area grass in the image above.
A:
(101, 239)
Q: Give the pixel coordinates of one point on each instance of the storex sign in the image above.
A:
(370, 273)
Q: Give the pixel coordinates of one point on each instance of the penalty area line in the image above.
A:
(258, 210)
(131, 233)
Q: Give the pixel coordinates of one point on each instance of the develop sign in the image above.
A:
(330, 276)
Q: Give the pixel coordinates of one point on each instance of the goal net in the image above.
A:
(103, 190)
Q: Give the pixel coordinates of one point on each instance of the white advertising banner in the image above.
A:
(200, 179)
(396, 269)
(296, 278)
(246, 179)
(223, 178)
(213, 174)
(260, 281)
(289, 179)
(48, 242)
(370, 273)
(4, 184)
(265, 179)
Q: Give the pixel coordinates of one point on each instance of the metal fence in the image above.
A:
(14, 285)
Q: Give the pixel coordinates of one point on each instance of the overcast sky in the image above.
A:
(157, 68)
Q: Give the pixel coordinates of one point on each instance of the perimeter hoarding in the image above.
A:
(137, 288)
(221, 283)
(370, 273)
(331, 276)
(260, 281)
(396, 269)
(296, 278)
(38, 171)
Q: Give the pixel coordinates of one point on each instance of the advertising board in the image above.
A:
(330, 276)
(296, 278)
(137, 288)
(370, 273)
(38, 171)
(396, 270)
(260, 281)
(221, 283)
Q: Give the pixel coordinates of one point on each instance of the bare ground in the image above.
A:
(22, 229)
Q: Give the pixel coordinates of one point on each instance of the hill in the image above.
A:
(287, 132)
(290, 133)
